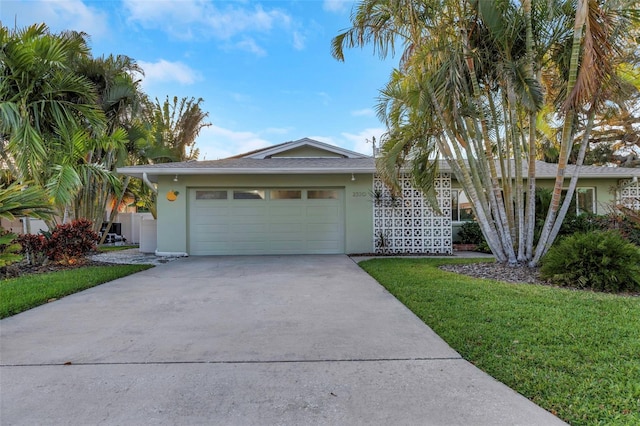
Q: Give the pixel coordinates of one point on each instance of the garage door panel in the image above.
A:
(265, 226)
(286, 228)
(323, 211)
(249, 247)
(210, 228)
(249, 228)
(322, 228)
(287, 245)
(252, 211)
(322, 247)
(203, 213)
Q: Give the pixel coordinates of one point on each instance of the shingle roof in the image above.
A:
(334, 165)
(237, 166)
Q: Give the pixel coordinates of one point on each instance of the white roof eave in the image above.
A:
(154, 174)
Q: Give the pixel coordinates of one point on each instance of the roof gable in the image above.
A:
(302, 148)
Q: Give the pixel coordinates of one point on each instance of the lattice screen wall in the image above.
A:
(408, 224)
(630, 194)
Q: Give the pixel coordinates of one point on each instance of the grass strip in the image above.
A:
(574, 353)
(22, 293)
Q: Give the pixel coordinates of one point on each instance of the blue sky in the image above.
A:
(263, 68)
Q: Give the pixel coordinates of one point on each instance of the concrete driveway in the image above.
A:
(286, 340)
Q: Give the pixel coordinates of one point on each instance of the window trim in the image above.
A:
(594, 201)
(457, 209)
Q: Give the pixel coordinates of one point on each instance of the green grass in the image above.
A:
(575, 353)
(28, 291)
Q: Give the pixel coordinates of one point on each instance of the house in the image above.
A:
(309, 197)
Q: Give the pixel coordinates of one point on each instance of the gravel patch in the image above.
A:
(132, 257)
(497, 271)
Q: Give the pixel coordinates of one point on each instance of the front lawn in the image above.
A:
(574, 353)
(31, 290)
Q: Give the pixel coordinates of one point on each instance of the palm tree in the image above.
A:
(174, 126)
(120, 97)
(171, 131)
(23, 200)
(469, 89)
(40, 95)
(45, 108)
(19, 200)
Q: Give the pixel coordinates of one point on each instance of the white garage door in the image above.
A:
(266, 221)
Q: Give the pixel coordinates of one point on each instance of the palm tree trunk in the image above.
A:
(574, 180)
(567, 133)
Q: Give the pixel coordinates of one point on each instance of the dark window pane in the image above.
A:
(248, 194)
(211, 195)
(285, 194)
(322, 194)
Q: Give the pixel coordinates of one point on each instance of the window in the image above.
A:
(286, 194)
(460, 206)
(322, 194)
(584, 200)
(248, 194)
(211, 195)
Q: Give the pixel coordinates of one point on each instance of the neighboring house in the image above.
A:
(308, 197)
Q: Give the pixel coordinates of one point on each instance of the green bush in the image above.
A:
(598, 260)
(470, 233)
(9, 249)
(584, 222)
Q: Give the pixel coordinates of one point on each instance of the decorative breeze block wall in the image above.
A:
(630, 194)
(407, 224)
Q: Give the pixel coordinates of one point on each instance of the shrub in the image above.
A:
(599, 260)
(9, 249)
(470, 233)
(584, 222)
(71, 240)
(622, 223)
(34, 246)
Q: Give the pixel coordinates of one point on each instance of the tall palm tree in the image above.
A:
(40, 95)
(469, 89)
(174, 126)
(45, 108)
(120, 97)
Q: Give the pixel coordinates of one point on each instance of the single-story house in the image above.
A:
(309, 197)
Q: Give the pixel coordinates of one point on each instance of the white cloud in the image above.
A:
(188, 19)
(58, 15)
(298, 40)
(337, 6)
(366, 112)
(249, 45)
(361, 142)
(217, 142)
(278, 130)
(164, 71)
